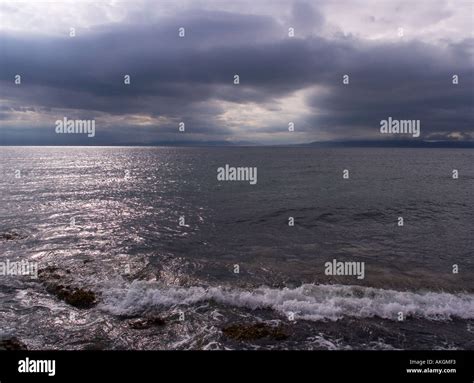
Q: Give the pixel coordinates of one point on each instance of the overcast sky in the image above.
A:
(282, 79)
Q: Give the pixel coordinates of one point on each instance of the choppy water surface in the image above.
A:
(108, 220)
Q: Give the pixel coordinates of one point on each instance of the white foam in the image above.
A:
(309, 301)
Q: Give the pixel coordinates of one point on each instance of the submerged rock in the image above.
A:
(243, 332)
(11, 344)
(58, 283)
(144, 323)
(82, 299)
(11, 236)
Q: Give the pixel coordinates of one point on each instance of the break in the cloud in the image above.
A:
(282, 79)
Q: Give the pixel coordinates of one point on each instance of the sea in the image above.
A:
(154, 233)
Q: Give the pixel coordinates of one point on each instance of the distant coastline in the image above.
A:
(324, 144)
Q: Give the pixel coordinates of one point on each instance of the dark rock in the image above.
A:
(49, 270)
(57, 282)
(11, 236)
(243, 332)
(82, 299)
(144, 323)
(11, 344)
(97, 345)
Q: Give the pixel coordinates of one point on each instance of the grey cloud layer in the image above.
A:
(185, 79)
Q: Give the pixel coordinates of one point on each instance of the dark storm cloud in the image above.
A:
(185, 79)
(405, 81)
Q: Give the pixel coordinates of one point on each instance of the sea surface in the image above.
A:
(107, 219)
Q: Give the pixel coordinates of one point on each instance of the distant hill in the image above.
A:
(392, 144)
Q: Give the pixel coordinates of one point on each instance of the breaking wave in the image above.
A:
(308, 302)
